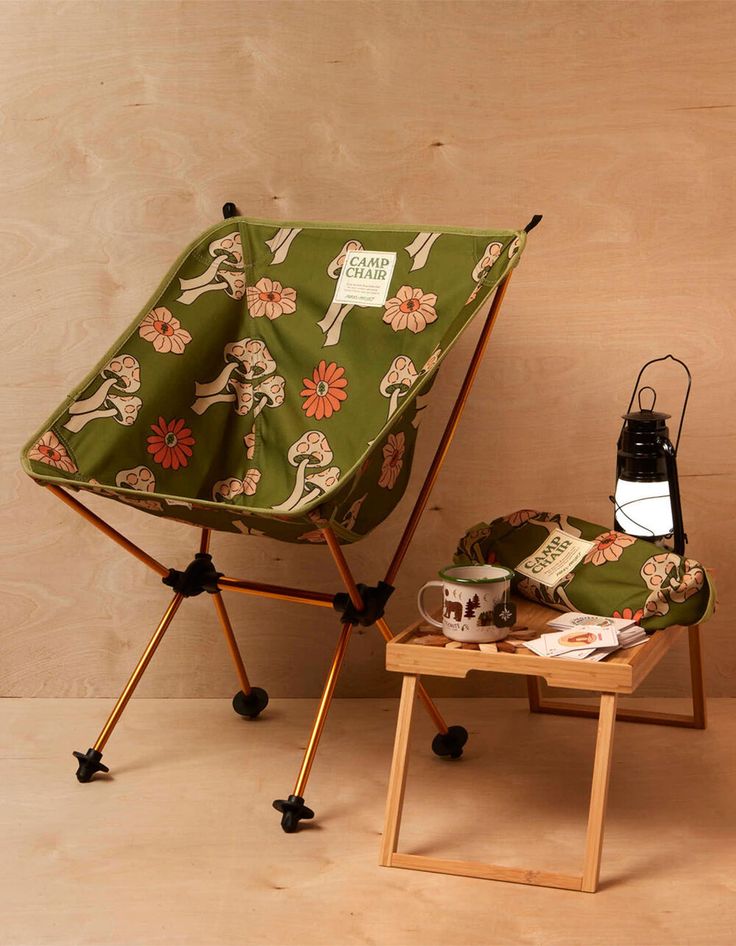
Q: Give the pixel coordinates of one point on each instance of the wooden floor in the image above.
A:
(180, 846)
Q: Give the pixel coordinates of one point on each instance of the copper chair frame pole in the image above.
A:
(347, 577)
(342, 566)
(422, 694)
(140, 668)
(108, 530)
(296, 594)
(232, 643)
(299, 595)
(448, 434)
(232, 584)
(335, 666)
(324, 706)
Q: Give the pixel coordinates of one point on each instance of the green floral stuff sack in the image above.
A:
(246, 397)
(573, 565)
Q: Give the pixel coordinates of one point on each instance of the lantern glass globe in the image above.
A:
(644, 509)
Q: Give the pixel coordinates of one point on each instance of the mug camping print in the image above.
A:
(475, 603)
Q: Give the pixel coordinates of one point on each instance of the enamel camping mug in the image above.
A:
(475, 602)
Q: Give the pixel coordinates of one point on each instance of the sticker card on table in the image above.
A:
(365, 278)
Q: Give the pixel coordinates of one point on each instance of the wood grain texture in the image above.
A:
(599, 792)
(161, 852)
(397, 776)
(622, 672)
(125, 126)
(483, 871)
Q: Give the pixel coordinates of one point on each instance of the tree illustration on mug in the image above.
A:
(471, 606)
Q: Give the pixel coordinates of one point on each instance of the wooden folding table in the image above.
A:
(620, 673)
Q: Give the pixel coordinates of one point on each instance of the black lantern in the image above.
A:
(647, 498)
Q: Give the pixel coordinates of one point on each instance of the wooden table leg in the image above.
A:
(697, 719)
(397, 779)
(599, 792)
(700, 716)
(587, 881)
(534, 693)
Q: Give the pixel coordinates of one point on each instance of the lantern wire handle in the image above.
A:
(687, 392)
(620, 507)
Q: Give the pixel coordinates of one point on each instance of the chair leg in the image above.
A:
(249, 701)
(449, 741)
(89, 761)
(293, 810)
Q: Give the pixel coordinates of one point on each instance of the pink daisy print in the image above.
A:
(164, 332)
(49, 449)
(268, 297)
(410, 309)
(393, 460)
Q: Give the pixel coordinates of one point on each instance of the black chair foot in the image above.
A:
(293, 810)
(89, 763)
(450, 744)
(252, 704)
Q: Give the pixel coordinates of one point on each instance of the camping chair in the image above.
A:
(272, 386)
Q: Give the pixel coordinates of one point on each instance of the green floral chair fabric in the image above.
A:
(243, 397)
(615, 574)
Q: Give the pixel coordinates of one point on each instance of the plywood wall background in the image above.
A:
(125, 126)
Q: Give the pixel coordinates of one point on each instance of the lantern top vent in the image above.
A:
(647, 416)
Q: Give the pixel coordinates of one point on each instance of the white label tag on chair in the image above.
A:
(365, 278)
(555, 557)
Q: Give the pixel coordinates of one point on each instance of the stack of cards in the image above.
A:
(586, 637)
(575, 619)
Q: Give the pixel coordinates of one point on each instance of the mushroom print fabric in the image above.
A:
(337, 312)
(121, 373)
(143, 480)
(244, 398)
(249, 380)
(616, 575)
(397, 381)
(224, 272)
(281, 242)
(419, 249)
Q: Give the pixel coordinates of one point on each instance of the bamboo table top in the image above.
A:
(621, 672)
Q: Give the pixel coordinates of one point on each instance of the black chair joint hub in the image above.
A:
(200, 575)
(374, 604)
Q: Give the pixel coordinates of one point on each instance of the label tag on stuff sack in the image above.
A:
(556, 557)
(365, 278)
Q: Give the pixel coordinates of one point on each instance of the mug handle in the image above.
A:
(420, 605)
